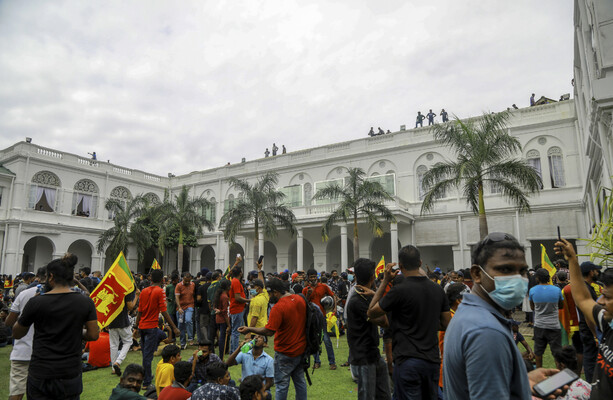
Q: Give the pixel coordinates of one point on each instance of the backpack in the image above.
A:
(314, 329)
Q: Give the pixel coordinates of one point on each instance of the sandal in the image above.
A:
(333, 366)
(316, 365)
(345, 364)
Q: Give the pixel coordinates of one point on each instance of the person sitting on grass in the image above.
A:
(99, 352)
(130, 383)
(519, 338)
(164, 372)
(252, 388)
(217, 385)
(202, 358)
(177, 391)
(255, 362)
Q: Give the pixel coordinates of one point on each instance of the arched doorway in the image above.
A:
(333, 255)
(207, 258)
(235, 249)
(270, 257)
(83, 250)
(382, 246)
(308, 260)
(37, 252)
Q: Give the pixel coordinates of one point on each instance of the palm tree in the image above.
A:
(358, 197)
(185, 214)
(125, 229)
(484, 151)
(260, 203)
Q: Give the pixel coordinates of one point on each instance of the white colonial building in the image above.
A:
(52, 202)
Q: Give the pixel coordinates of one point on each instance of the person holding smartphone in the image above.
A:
(598, 312)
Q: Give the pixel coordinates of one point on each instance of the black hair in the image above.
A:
(567, 355)
(486, 248)
(183, 370)
(41, 272)
(607, 277)
(333, 271)
(185, 273)
(562, 275)
(169, 351)
(258, 283)
(311, 271)
(215, 371)
(250, 386)
(215, 275)
(409, 258)
(133, 369)
(542, 275)
(157, 275)
(224, 284)
(284, 276)
(63, 269)
(364, 270)
(278, 285)
(455, 291)
(206, 343)
(86, 270)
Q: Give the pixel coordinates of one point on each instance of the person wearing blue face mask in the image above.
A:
(481, 359)
(258, 307)
(598, 313)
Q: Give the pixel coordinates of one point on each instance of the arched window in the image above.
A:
(228, 204)
(210, 212)
(421, 171)
(85, 198)
(152, 198)
(308, 194)
(533, 158)
(443, 194)
(556, 167)
(43, 191)
(122, 194)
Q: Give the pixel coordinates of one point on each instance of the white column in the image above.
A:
(300, 250)
(394, 239)
(344, 258)
(461, 244)
(261, 243)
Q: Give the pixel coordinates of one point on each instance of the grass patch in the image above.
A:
(98, 384)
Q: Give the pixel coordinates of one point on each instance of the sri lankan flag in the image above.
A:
(546, 263)
(110, 292)
(380, 267)
(155, 264)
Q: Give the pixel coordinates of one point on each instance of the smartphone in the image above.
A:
(550, 385)
(559, 237)
(260, 259)
(238, 255)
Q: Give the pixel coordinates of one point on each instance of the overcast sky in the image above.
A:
(169, 86)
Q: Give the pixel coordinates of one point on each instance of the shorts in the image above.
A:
(19, 377)
(544, 336)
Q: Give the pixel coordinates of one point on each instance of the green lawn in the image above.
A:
(98, 384)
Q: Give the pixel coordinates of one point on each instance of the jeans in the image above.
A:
(187, 324)
(590, 354)
(123, 336)
(237, 321)
(222, 339)
(373, 381)
(286, 368)
(212, 328)
(149, 338)
(65, 389)
(329, 350)
(203, 333)
(415, 378)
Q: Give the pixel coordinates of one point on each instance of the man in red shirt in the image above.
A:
(237, 305)
(287, 321)
(152, 303)
(99, 351)
(314, 292)
(184, 295)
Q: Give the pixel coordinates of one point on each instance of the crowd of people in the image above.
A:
(412, 333)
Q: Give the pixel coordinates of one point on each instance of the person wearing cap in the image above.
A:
(587, 329)
(598, 313)
(545, 300)
(481, 359)
(258, 308)
(27, 278)
(287, 322)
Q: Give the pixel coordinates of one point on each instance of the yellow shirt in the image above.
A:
(258, 307)
(164, 375)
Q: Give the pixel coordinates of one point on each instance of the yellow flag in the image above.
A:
(155, 264)
(546, 263)
(110, 292)
(380, 267)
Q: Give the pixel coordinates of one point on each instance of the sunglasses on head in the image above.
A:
(494, 237)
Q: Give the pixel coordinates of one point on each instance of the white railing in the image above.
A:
(122, 171)
(86, 161)
(49, 153)
(153, 178)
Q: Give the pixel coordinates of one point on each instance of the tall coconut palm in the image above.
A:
(358, 197)
(260, 203)
(484, 151)
(125, 229)
(185, 214)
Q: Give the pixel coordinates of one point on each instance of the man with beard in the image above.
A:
(287, 323)
(202, 358)
(255, 361)
(129, 384)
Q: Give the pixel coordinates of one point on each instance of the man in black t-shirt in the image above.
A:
(204, 311)
(120, 331)
(419, 308)
(599, 314)
(363, 336)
